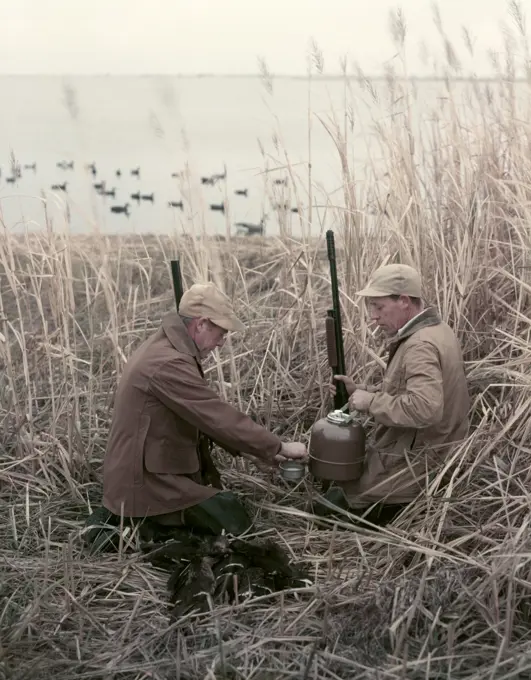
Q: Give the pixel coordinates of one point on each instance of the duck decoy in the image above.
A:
(148, 197)
(121, 209)
(208, 180)
(109, 192)
(218, 206)
(175, 204)
(177, 174)
(136, 196)
(281, 181)
(99, 186)
(118, 173)
(136, 172)
(248, 228)
(294, 210)
(92, 168)
(65, 165)
(11, 180)
(241, 192)
(33, 167)
(220, 176)
(59, 187)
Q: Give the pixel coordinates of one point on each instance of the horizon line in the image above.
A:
(287, 76)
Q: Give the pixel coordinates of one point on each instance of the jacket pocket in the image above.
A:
(394, 456)
(161, 457)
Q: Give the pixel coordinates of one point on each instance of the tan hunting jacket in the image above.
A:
(421, 408)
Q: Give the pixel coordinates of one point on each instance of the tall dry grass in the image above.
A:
(445, 591)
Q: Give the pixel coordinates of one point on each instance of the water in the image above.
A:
(162, 124)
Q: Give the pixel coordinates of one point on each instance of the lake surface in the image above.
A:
(168, 125)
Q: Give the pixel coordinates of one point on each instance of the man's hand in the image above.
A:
(360, 400)
(350, 385)
(292, 451)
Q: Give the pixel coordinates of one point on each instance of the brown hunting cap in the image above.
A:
(205, 299)
(393, 279)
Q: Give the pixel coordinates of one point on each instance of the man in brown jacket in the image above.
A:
(165, 412)
(421, 407)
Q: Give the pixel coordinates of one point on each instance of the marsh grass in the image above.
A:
(445, 592)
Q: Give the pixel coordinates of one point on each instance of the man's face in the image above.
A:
(389, 314)
(208, 336)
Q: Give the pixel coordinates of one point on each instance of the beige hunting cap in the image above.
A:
(205, 299)
(393, 279)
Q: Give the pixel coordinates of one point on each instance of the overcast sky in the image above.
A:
(227, 36)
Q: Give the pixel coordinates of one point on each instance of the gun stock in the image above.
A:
(334, 330)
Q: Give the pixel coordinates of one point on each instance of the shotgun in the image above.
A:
(204, 446)
(334, 331)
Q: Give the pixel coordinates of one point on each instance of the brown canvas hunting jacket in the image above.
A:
(421, 408)
(162, 403)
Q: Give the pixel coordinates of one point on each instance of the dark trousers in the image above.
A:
(220, 513)
(380, 514)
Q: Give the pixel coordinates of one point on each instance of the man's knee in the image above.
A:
(222, 512)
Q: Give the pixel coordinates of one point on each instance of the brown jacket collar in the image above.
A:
(176, 332)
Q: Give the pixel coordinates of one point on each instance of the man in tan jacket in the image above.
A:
(421, 407)
(164, 414)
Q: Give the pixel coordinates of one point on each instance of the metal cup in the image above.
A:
(292, 471)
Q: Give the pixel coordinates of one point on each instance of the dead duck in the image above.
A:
(192, 586)
(121, 209)
(205, 567)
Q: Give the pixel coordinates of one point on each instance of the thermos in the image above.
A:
(337, 448)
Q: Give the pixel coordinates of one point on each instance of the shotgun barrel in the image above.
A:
(177, 279)
(334, 330)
